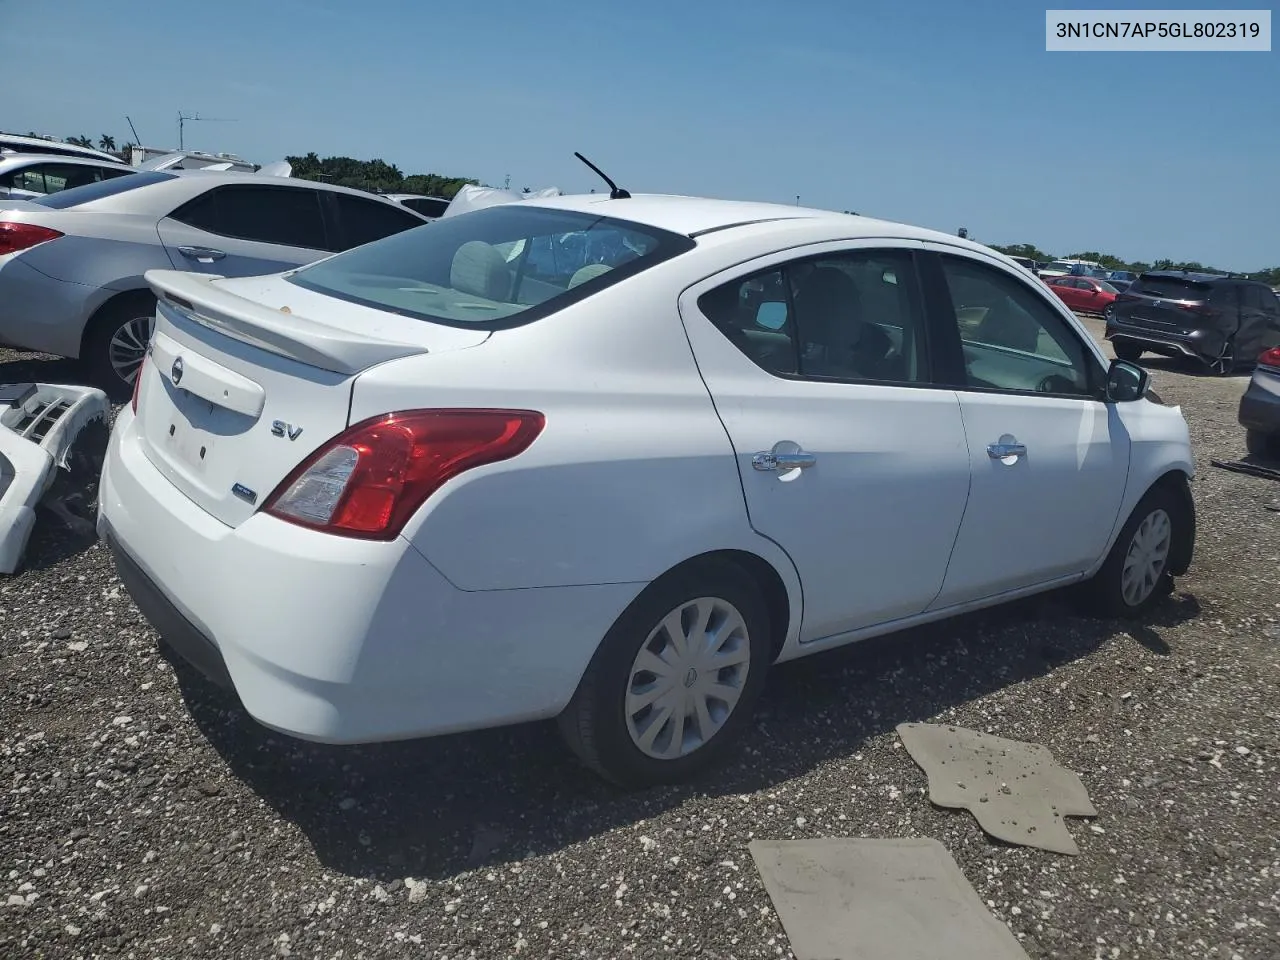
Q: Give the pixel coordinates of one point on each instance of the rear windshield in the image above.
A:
(500, 266)
(1171, 288)
(104, 188)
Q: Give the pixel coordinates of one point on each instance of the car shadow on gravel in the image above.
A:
(433, 808)
(41, 368)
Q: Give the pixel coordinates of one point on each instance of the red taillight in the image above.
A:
(1270, 358)
(15, 237)
(137, 383)
(369, 480)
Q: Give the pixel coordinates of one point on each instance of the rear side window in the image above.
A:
(427, 206)
(496, 267)
(363, 221)
(1171, 288)
(287, 216)
(102, 189)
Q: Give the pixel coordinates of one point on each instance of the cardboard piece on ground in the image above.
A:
(844, 899)
(1017, 791)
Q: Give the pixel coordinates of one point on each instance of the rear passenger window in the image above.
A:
(854, 317)
(288, 216)
(363, 221)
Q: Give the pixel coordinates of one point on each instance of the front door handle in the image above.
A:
(782, 462)
(203, 254)
(999, 451)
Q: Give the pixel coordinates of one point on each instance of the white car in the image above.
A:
(25, 176)
(607, 460)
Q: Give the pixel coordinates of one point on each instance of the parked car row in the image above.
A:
(72, 263)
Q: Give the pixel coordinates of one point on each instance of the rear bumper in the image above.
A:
(1260, 405)
(338, 640)
(40, 313)
(1203, 345)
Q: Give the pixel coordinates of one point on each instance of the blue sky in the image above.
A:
(936, 113)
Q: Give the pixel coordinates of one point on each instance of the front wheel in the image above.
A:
(675, 679)
(116, 343)
(1135, 575)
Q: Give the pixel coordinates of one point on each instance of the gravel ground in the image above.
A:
(144, 815)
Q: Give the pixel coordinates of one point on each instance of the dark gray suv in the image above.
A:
(1224, 321)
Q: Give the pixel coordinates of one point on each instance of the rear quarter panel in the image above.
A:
(633, 473)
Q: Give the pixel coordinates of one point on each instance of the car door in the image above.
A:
(849, 457)
(1049, 458)
(246, 229)
(1067, 291)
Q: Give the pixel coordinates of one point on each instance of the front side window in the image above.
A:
(854, 316)
(364, 221)
(1012, 338)
(498, 266)
(287, 216)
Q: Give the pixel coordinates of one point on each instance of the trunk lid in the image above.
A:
(1165, 303)
(244, 378)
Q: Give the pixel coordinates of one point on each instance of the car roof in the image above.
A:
(1196, 276)
(411, 196)
(22, 159)
(18, 144)
(246, 176)
(694, 216)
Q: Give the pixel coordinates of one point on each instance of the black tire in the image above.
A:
(1104, 594)
(1265, 445)
(99, 347)
(595, 725)
(1127, 350)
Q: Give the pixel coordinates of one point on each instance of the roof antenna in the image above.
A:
(615, 191)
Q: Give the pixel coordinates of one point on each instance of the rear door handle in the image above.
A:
(781, 462)
(203, 254)
(999, 451)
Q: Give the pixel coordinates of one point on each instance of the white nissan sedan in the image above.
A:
(608, 460)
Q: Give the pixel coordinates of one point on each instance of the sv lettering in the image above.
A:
(281, 429)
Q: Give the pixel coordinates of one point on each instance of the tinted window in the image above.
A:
(102, 189)
(1012, 338)
(498, 266)
(289, 216)
(427, 206)
(855, 316)
(1171, 288)
(363, 221)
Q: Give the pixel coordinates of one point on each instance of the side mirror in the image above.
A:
(1126, 382)
(771, 314)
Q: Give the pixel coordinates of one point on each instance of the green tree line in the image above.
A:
(377, 176)
(1109, 262)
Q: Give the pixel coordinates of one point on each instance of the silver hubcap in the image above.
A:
(1148, 553)
(687, 678)
(128, 346)
(1226, 361)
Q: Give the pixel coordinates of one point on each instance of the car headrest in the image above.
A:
(480, 270)
(589, 272)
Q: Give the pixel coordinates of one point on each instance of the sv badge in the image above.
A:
(281, 429)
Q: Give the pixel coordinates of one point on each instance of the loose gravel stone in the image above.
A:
(206, 836)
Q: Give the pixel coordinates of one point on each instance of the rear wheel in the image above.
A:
(1127, 350)
(1135, 575)
(1259, 444)
(116, 343)
(1225, 364)
(675, 679)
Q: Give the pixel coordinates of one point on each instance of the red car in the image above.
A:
(1083, 294)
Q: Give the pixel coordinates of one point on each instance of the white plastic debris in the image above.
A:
(39, 424)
